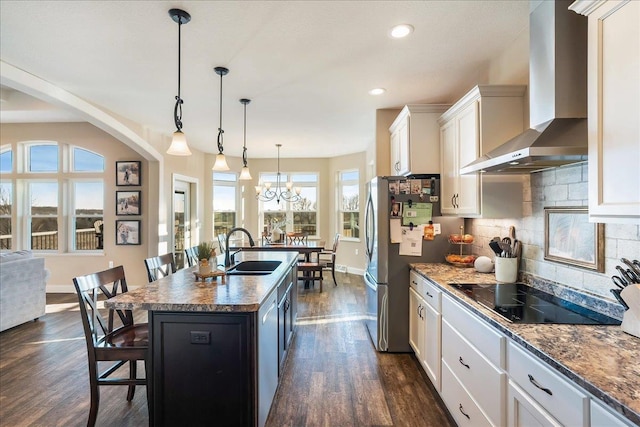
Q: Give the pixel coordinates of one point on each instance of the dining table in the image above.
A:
(306, 249)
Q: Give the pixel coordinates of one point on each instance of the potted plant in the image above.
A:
(205, 251)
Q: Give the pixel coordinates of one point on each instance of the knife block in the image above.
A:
(631, 319)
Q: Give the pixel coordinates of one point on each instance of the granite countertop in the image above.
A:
(603, 360)
(181, 291)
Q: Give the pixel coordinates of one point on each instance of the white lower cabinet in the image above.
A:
(484, 382)
(425, 325)
(461, 405)
(431, 354)
(416, 323)
(560, 399)
(526, 412)
(602, 417)
(484, 378)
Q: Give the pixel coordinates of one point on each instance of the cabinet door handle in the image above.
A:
(463, 364)
(397, 166)
(535, 383)
(453, 203)
(461, 409)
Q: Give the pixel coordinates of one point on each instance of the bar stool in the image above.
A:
(115, 339)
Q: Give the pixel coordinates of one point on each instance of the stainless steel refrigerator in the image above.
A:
(387, 273)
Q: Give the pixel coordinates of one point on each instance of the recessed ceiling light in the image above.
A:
(377, 91)
(400, 31)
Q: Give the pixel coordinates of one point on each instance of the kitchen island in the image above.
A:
(603, 360)
(217, 348)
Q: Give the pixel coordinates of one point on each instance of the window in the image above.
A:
(60, 189)
(43, 215)
(349, 193)
(224, 202)
(6, 161)
(89, 209)
(300, 216)
(43, 158)
(6, 205)
(86, 161)
(305, 211)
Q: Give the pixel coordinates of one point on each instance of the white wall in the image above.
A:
(64, 267)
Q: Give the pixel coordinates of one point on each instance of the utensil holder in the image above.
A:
(506, 269)
(631, 319)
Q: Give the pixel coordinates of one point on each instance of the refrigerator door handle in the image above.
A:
(369, 227)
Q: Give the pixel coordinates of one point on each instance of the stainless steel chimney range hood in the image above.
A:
(557, 97)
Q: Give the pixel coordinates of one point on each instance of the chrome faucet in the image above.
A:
(227, 257)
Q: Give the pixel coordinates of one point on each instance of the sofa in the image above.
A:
(22, 288)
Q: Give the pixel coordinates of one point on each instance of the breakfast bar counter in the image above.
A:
(603, 360)
(182, 291)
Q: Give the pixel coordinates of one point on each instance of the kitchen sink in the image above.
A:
(254, 268)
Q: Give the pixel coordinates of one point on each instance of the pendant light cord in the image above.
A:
(177, 111)
(220, 131)
(244, 143)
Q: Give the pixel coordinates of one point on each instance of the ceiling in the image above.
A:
(307, 66)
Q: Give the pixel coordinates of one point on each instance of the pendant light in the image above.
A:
(245, 175)
(221, 161)
(179, 145)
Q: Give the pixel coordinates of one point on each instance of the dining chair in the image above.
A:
(328, 258)
(297, 238)
(191, 256)
(310, 272)
(114, 341)
(160, 266)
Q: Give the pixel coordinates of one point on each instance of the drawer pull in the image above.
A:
(463, 364)
(535, 383)
(461, 409)
(429, 295)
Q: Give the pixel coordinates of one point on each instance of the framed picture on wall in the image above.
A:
(128, 203)
(128, 173)
(571, 239)
(127, 232)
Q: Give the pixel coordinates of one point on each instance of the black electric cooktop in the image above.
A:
(519, 303)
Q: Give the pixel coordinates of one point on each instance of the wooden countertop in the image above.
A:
(181, 291)
(603, 360)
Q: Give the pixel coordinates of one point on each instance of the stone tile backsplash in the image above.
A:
(564, 186)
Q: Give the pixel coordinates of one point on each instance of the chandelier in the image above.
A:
(278, 194)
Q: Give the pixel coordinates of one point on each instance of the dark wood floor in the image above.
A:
(333, 376)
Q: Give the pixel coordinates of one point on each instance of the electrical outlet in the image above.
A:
(200, 337)
(110, 264)
(357, 251)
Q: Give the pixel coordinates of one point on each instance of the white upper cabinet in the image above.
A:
(613, 109)
(415, 146)
(483, 119)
